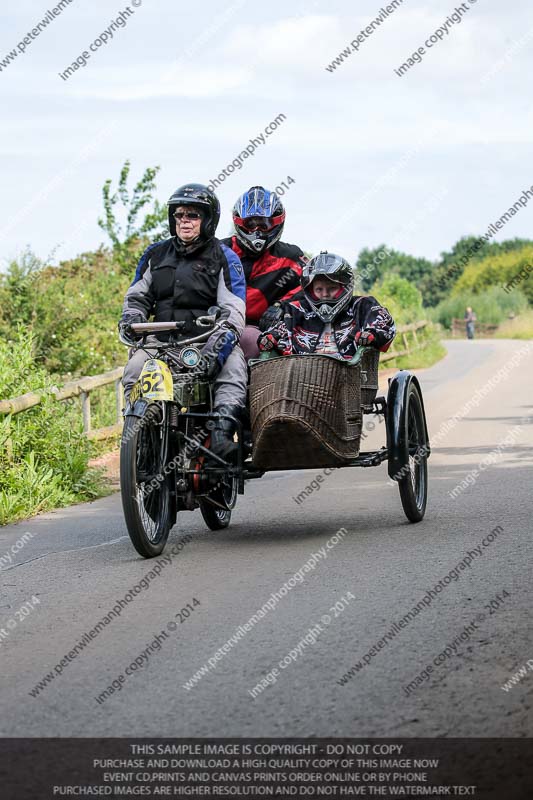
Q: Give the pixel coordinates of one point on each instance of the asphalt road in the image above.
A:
(79, 563)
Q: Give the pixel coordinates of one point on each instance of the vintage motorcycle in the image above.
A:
(166, 465)
(306, 412)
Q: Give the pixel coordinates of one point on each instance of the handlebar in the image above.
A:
(359, 353)
(155, 327)
(152, 327)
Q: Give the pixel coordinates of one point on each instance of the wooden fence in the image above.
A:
(82, 387)
(480, 328)
(402, 331)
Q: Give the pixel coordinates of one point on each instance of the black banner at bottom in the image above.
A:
(43, 769)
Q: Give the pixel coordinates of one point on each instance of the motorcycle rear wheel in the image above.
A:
(218, 516)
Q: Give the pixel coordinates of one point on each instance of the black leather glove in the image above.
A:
(213, 366)
(269, 318)
(128, 319)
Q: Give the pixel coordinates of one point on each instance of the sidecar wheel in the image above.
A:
(414, 486)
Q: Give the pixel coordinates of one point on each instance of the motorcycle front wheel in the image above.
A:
(145, 484)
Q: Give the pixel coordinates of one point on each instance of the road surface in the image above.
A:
(78, 564)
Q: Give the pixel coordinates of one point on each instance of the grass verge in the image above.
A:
(521, 327)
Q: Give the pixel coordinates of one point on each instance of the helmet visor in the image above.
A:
(257, 223)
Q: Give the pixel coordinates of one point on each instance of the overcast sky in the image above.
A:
(414, 161)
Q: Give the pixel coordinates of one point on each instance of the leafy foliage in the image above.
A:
(402, 299)
(435, 280)
(72, 310)
(122, 208)
(463, 257)
(501, 269)
(373, 264)
(43, 452)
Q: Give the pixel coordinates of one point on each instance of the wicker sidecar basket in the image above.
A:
(369, 376)
(305, 412)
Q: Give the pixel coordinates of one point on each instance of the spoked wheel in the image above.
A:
(144, 485)
(216, 508)
(414, 485)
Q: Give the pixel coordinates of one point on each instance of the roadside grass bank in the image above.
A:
(521, 327)
(44, 455)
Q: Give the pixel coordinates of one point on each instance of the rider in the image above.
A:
(326, 317)
(182, 277)
(272, 268)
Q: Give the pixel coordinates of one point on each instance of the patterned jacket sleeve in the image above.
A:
(377, 319)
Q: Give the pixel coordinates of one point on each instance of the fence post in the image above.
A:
(119, 391)
(405, 341)
(86, 410)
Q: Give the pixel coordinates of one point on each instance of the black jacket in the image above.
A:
(180, 284)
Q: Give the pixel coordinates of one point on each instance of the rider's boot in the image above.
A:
(222, 443)
(246, 431)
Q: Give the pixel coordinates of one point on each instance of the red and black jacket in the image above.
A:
(271, 276)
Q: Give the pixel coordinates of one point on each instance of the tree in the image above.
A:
(438, 284)
(130, 231)
(400, 296)
(373, 264)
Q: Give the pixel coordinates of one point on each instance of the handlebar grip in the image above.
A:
(147, 327)
(207, 320)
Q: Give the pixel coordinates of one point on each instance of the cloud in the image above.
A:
(152, 83)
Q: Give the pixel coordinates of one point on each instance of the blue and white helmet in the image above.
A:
(259, 217)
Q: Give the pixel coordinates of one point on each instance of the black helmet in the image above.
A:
(259, 217)
(196, 194)
(337, 269)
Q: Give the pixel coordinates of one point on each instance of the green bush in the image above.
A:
(72, 310)
(491, 306)
(402, 299)
(43, 452)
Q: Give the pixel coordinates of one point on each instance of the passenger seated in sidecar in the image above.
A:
(326, 317)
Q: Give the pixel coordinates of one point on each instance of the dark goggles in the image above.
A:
(264, 224)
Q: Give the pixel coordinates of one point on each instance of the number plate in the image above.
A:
(155, 381)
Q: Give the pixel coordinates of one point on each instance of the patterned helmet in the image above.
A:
(259, 218)
(336, 269)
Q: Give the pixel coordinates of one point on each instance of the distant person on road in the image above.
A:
(272, 268)
(326, 317)
(470, 320)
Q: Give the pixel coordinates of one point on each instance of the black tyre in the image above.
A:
(144, 485)
(414, 486)
(217, 507)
